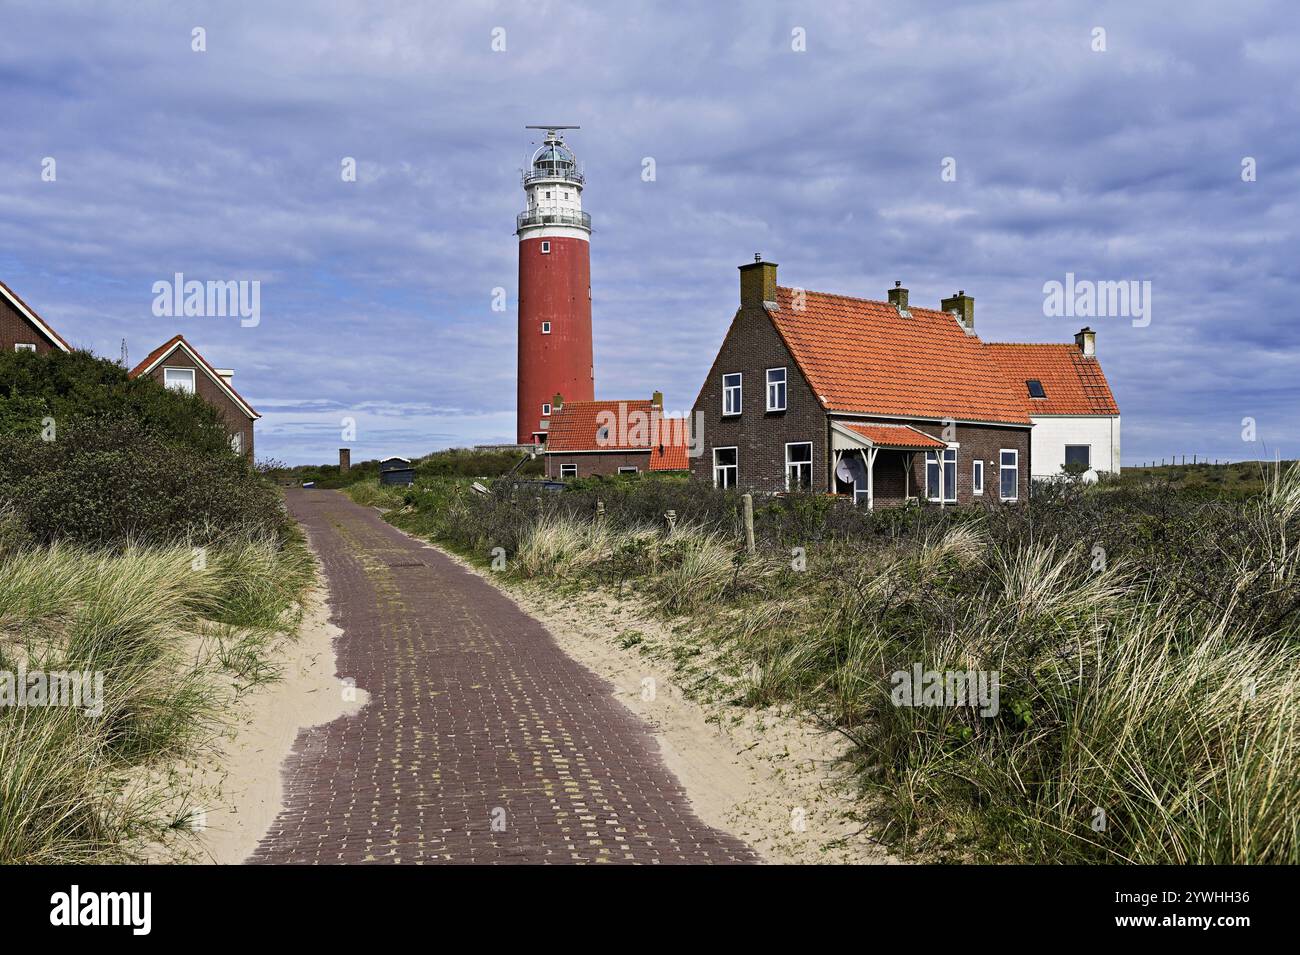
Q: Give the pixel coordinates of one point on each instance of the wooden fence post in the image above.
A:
(748, 500)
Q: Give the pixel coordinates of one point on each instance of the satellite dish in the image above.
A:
(845, 471)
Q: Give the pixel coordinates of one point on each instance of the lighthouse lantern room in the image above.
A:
(555, 355)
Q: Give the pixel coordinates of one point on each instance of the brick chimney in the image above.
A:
(345, 459)
(1086, 340)
(657, 401)
(963, 306)
(757, 282)
(898, 297)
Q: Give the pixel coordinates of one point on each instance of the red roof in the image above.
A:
(670, 455)
(1072, 384)
(39, 323)
(864, 357)
(178, 341)
(893, 435)
(619, 426)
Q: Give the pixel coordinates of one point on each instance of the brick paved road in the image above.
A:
(473, 711)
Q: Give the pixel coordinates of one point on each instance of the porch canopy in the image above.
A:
(850, 437)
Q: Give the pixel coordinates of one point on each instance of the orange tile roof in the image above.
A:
(577, 426)
(862, 356)
(176, 341)
(893, 435)
(1072, 384)
(670, 455)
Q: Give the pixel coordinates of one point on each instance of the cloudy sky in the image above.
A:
(1115, 164)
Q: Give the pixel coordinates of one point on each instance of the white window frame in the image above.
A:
(950, 492)
(546, 328)
(977, 478)
(798, 465)
(546, 409)
(568, 471)
(784, 385)
(237, 442)
(194, 382)
(24, 346)
(738, 388)
(726, 467)
(628, 469)
(1015, 467)
(1065, 453)
(546, 247)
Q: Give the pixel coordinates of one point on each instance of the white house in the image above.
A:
(1074, 414)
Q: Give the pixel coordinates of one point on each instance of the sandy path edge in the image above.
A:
(759, 776)
(245, 788)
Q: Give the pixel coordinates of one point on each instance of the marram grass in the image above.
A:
(1146, 641)
(69, 781)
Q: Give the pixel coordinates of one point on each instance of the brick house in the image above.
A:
(880, 401)
(178, 364)
(1069, 401)
(21, 329)
(604, 438)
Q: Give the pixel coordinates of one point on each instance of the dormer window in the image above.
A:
(1035, 388)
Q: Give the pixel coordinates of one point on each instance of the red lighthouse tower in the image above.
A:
(554, 287)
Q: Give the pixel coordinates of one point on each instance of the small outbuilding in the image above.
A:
(396, 471)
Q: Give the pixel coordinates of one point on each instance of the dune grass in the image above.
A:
(1145, 641)
(70, 781)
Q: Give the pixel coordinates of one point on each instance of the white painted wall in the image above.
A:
(1052, 433)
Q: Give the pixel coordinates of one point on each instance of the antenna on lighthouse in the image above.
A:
(552, 131)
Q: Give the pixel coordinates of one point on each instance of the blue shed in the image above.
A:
(396, 471)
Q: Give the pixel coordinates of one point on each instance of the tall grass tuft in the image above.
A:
(69, 777)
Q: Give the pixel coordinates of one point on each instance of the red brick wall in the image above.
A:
(752, 346)
(601, 464)
(209, 391)
(14, 328)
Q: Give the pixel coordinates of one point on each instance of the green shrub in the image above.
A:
(66, 386)
(110, 481)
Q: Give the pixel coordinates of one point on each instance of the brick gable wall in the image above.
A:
(15, 329)
(752, 345)
(235, 418)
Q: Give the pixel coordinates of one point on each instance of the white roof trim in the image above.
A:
(32, 317)
(199, 362)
